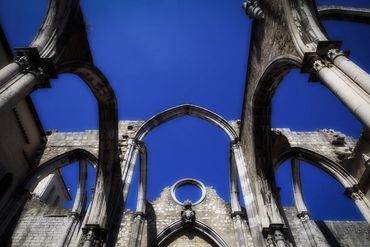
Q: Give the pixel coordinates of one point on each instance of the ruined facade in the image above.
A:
(286, 34)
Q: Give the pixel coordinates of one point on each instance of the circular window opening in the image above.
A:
(188, 192)
(188, 189)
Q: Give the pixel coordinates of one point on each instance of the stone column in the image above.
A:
(137, 231)
(237, 214)
(349, 93)
(248, 195)
(8, 72)
(128, 165)
(358, 75)
(20, 78)
(297, 186)
(80, 198)
(303, 213)
(78, 205)
(358, 197)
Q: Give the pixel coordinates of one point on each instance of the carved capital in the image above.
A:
(238, 215)
(30, 61)
(93, 235)
(334, 53)
(235, 144)
(253, 9)
(139, 216)
(276, 234)
(354, 193)
(318, 65)
(74, 215)
(304, 216)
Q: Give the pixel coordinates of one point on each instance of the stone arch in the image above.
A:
(197, 226)
(344, 13)
(332, 168)
(57, 162)
(320, 161)
(256, 131)
(107, 192)
(237, 155)
(260, 100)
(183, 110)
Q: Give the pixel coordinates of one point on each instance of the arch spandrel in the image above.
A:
(327, 149)
(63, 142)
(58, 162)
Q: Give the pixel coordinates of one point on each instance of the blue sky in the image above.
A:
(158, 54)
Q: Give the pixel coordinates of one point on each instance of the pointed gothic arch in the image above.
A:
(178, 226)
(186, 110)
(58, 162)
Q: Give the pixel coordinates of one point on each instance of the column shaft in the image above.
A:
(352, 70)
(343, 89)
(248, 196)
(364, 209)
(297, 186)
(8, 72)
(80, 198)
(14, 91)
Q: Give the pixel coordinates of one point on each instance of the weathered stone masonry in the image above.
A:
(286, 34)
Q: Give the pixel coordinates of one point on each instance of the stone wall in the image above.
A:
(164, 211)
(40, 225)
(329, 233)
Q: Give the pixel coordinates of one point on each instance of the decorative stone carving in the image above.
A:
(318, 65)
(354, 193)
(333, 53)
(304, 216)
(188, 214)
(276, 235)
(93, 235)
(30, 61)
(253, 9)
(139, 216)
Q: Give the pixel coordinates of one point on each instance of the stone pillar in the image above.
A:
(239, 227)
(128, 165)
(248, 195)
(297, 186)
(276, 235)
(358, 197)
(69, 230)
(78, 206)
(237, 214)
(142, 191)
(358, 75)
(137, 231)
(80, 199)
(8, 72)
(358, 102)
(303, 213)
(20, 78)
